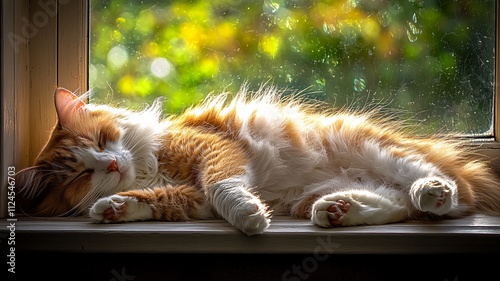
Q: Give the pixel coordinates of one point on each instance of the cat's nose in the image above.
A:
(113, 167)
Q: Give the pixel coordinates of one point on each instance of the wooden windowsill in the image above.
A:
(474, 234)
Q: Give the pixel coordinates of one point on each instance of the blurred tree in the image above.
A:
(432, 61)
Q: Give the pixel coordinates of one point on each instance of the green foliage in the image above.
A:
(429, 60)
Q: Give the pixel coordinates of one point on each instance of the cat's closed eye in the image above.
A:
(101, 141)
(86, 172)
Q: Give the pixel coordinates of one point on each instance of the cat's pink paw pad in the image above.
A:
(441, 197)
(435, 195)
(109, 209)
(115, 211)
(337, 211)
(331, 211)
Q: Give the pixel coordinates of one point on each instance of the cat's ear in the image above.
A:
(67, 105)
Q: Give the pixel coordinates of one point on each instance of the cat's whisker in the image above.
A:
(31, 191)
(92, 196)
(134, 146)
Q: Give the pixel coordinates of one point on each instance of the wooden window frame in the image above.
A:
(52, 50)
(44, 45)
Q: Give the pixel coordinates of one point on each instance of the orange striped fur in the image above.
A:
(247, 157)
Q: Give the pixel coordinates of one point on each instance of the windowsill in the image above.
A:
(474, 234)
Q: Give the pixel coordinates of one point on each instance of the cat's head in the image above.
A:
(83, 160)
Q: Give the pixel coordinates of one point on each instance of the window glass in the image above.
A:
(431, 61)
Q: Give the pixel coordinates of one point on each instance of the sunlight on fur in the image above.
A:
(247, 158)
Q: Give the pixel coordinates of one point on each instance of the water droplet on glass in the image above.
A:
(271, 7)
(326, 59)
(385, 18)
(412, 31)
(289, 23)
(359, 84)
(413, 28)
(298, 46)
(411, 37)
(328, 28)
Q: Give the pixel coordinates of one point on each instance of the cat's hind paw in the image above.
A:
(116, 208)
(435, 195)
(357, 207)
(328, 213)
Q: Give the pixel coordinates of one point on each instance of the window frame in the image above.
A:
(51, 50)
(55, 53)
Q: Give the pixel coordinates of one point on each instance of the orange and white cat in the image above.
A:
(244, 158)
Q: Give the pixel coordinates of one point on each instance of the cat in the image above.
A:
(245, 158)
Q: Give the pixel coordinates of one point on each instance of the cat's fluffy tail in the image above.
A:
(485, 186)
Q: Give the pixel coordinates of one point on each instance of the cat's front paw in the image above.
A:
(116, 208)
(435, 195)
(239, 206)
(254, 219)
